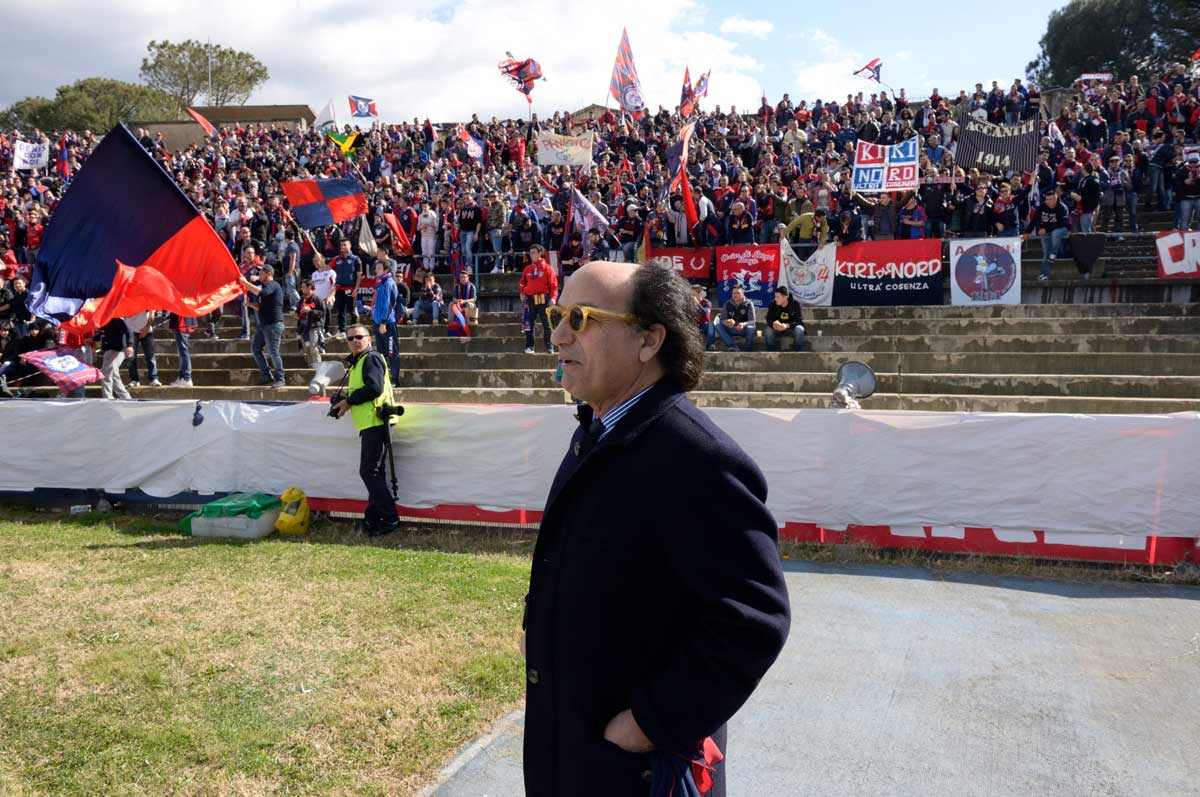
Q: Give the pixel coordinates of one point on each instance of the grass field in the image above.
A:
(136, 661)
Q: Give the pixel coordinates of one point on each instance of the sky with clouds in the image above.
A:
(438, 59)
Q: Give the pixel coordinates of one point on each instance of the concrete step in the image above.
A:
(1125, 325)
(1183, 387)
(1155, 363)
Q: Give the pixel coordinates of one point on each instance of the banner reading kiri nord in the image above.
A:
(889, 272)
(879, 168)
(753, 266)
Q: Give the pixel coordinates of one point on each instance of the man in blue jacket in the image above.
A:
(383, 316)
(651, 615)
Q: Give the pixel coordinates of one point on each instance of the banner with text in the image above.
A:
(809, 281)
(690, 263)
(556, 150)
(889, 272)
(754, 266)
(1178, 254)
(879, 168)
(27, 155)
(985, 271)
(998, 149)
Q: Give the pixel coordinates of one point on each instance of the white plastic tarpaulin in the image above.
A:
(1105, 474)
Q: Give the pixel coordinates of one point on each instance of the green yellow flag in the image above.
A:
(346, 143)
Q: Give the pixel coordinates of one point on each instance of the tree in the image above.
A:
(93, 103)
(183, 70)
(1125, 37)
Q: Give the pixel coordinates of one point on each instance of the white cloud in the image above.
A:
(903, 55)
(740, 26)
(415, 61)
(831, 75)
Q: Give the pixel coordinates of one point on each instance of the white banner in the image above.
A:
(985, 271)
(1003, 473)
(809, 281)
(30, 156)
(556, 150)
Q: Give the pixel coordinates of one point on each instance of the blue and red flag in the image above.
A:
(363, 107)
(319, 203)
(209, 129)
(625, 86)
(63, 164)
(522, 73)
(701, 89)
(125, 239)
(687, 98)
(63, 367)
(871, 70)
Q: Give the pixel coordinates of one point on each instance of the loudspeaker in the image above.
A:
(855, 381)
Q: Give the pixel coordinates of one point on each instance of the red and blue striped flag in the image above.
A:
(625, 86)
(871, 70)
(63, 164)
(319, 203)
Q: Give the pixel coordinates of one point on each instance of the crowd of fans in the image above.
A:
(784, 171)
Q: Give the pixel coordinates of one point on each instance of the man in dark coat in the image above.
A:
(656, 598)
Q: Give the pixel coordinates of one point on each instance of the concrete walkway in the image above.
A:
(896, 682)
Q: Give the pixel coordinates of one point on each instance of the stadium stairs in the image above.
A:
(1123, 341)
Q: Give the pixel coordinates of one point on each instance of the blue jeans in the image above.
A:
(1052, 245)
(772, 337)
(726, 335)
(1187, 208)
(267, 338)
(629, 249)
(935, 228)
(496, 237)
(1086, 221)
(708, 332)
(1131, 202)
(432, 308)
(289, 288)
(146, 345)
(388, 344)
(1159, 188)
(466, 246)
(183, 346)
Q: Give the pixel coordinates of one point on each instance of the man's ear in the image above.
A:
(652, 341)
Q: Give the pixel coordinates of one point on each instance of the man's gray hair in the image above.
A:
(661, 296)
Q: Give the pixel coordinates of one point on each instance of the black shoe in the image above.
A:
(383, 529)
(265, 382)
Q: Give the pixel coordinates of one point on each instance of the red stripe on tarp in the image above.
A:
(347, 207)
(302, 192)
(1155, 550)
(457, 512)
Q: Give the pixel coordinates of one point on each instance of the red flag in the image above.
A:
(399, 239)
(200, 120)
(1196, 55)
(689, 206)
(63, 367)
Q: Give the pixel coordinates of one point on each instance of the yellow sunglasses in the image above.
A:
(577, 316)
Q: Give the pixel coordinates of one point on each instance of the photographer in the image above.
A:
(369, 389)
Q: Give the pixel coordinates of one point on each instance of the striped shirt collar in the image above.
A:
(618, 412)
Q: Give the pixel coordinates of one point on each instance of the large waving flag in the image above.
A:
(209, 129)
(347, 143)
(625, 86)
(363, 108)
(522, 73)
(319, 203)
(687, 97)
(872, 70)
(125, 239)
(327, 118)
(677, 159)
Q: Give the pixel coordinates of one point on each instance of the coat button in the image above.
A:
(647, 775)
(533, 676)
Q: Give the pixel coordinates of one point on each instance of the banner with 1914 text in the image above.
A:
(998, 149)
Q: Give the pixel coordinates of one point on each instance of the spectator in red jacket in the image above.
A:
(539, 287)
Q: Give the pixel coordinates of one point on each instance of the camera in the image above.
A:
(333, 402)
(388, 411)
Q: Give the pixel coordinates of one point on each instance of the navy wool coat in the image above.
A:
(656, 586)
